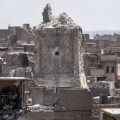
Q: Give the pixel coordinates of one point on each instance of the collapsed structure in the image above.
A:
(59, 72)
(12, 100)
(58, 50)
(59, 90)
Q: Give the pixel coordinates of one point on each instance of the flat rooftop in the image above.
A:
(13, 78)
(19, 52)
(112, 111)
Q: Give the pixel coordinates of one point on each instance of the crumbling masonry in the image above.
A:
(58, 50)
(62, 92)
(58, 89)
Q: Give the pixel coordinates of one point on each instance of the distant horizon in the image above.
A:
(97, 30)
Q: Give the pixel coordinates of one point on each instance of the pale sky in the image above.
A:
(89, 14)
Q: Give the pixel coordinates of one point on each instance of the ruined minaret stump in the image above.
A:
(57, 50)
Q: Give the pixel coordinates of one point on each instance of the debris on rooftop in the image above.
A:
(63, 20)
(40, 108)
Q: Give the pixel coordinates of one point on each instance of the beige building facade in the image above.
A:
(109, 68)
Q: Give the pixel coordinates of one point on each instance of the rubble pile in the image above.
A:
(63, 20)
(82, 72)
(40, 108)
(99, 85)
(10, 114)
(10, 97)
(9, 102)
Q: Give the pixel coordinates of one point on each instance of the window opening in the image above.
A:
(57, 53)
(112, 69)
(107, 69)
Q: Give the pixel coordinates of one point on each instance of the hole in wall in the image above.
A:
(24, 60)
(57, 53)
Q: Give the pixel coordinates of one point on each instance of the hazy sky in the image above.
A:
(89, 14)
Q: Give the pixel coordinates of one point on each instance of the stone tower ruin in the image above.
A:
(57, 50)
(59, 71)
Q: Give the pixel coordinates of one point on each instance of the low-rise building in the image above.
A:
(110, 114)
(107, 68)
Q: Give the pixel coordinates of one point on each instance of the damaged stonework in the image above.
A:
(18, 64)
(61, 87)
(47, 13)
(58, 89)
(49, 21)
(58, 48)
(22, 35)
(57, 55)
(59, 103)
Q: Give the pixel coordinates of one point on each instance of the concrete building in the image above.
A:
(110, 114)
(16, 35)
(97, 46)
(108, 68)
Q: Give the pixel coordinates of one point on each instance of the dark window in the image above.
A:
(24, 60)
(101, 79)
(107, 69)
(57, 53)
(112, 69)
(101, 66)
(118, 62)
